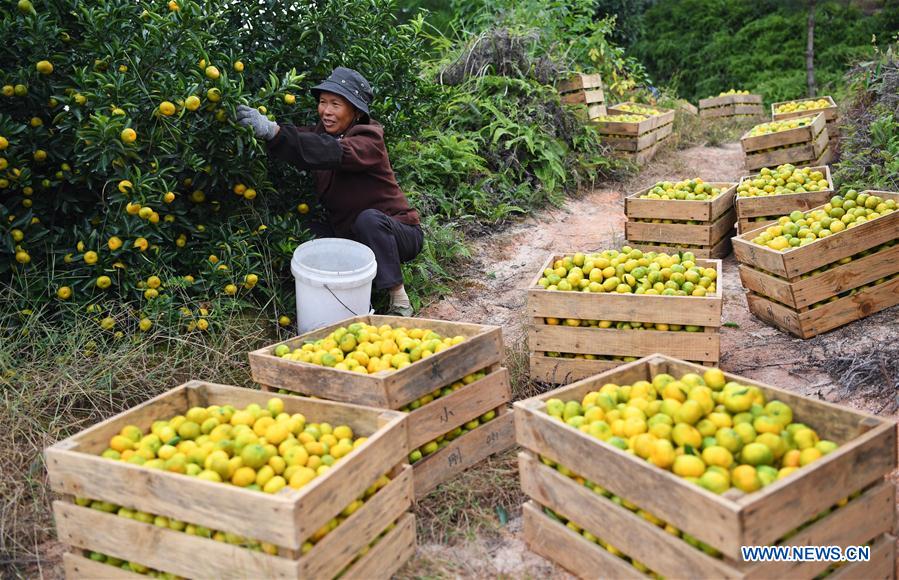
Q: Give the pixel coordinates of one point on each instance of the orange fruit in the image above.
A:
(129, 135)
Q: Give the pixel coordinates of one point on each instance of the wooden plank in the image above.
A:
(725, 100)
(584, 97)
(595, 110)
(719, 251)
(638, 538)
(830, 113)
(695, 346)
(699, 234)
(685, 210)
(285, 519)
(781, 205)
(570, 550)
(797, 135)
(78, 567)
(832, 315)
(850, 308)
(882, 565)
(475, 446)
(560, 370)
(863, 518)
(808, 291)
(798, 261)
(482, 347)
(703, 514)
(446, 413)
(388, 555)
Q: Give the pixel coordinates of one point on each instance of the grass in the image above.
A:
(56, 381)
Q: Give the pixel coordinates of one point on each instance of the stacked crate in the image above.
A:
(701, 227)
(481, 350)
(371, 543)
(801, 146)
(586, 90)
(636, 140)
(831, 115)
(857, 469)
(762, 211)
(726, 106)
(833, 281)
(597, 348)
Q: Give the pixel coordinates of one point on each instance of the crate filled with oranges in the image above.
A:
(594, 311)
(813, 271)
(209, 480)
(669, 468)
(446, 375)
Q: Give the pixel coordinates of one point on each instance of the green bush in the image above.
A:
(704, 47)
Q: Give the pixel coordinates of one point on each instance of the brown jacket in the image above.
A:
(352, 173)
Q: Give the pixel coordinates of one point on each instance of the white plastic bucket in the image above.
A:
(333, 281)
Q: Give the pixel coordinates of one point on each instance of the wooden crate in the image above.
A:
(584, 89)
(774, 206)
(286, 519)
(380, 563)
(481, 350)
(867, 453)
(797, 261)
(468, 450)
(781, 296)
(685, 310)
(634, 140)
(802, 146)
(731, 106)
(866, 517)
(831, 115)
(717, 217)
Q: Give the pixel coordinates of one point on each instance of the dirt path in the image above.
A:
(494, 293)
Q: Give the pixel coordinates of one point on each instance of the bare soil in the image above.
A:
(856, 365)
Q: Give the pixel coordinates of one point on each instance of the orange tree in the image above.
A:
(125, 185)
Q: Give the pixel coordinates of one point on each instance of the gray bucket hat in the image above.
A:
(350, 85)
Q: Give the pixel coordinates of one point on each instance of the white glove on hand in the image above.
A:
(262, 127)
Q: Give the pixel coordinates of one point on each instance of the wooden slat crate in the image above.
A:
(584, 89)
(381, 562)
(731, 106)
(684, 310)
(286, 519)
(831, 114)
(781, 296)
(802, 146)
(636, 140)
(750, 209)
(866, 517)
(708, 239)
(481, 350)
(866, 454)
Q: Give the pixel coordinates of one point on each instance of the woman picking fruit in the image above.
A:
(353, 177)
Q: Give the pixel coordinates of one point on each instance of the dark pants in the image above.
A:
(392, 241)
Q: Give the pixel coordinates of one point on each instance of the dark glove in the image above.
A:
(262, 127)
